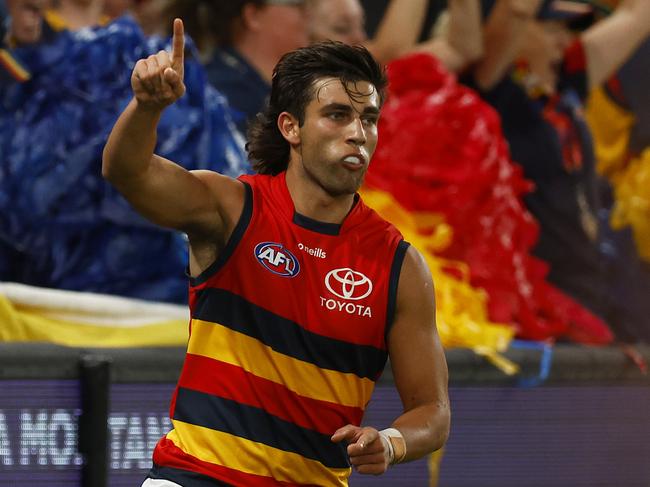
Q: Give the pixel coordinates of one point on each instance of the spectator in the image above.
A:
(542, 114)
(241, 41)
(23, 21)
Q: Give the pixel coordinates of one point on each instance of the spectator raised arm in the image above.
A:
(607, 43)
(461, 41)
(504, 35)
(610, 42)
(399, 29)
(344, 21)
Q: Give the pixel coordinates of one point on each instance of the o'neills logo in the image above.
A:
(317, 252)
(349, 285)
(277, 259)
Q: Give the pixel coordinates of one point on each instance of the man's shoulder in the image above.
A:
(255, 179)
(262, 186)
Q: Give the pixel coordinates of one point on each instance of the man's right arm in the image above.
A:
(204, 204)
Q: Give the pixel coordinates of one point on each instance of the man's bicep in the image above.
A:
(191, 201)
(416, 354)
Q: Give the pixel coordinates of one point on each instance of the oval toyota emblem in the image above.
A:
(277, 259)
(348, 284)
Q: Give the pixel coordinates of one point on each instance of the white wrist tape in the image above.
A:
(396, 445)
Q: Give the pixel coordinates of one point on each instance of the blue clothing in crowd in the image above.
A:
(247, 92)
(61, 224)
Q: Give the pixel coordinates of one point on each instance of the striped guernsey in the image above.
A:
(287, 338)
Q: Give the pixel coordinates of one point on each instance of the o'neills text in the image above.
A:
(317, 252)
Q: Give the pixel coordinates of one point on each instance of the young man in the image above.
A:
(299, 292)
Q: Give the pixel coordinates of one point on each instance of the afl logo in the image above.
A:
(275, 258)
(348, 284)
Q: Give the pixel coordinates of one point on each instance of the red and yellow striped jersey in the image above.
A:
(287, 338)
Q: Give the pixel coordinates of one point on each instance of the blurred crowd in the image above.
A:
(515, 138)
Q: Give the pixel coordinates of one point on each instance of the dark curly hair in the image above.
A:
(292, 89)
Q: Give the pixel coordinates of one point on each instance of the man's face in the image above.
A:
(337, 20)
(339, 135)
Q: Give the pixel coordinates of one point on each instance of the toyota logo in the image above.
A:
(348, 284)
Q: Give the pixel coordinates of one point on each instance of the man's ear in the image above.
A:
(289, 128)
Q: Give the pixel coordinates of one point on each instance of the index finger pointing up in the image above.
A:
(178, 46)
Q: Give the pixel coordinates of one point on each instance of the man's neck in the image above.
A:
(312, 201)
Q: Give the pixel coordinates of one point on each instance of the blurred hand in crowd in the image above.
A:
(543, 50)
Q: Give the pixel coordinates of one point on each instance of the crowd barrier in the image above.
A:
(573, 417)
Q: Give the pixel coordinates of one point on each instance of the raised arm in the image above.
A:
(503, 36)
(461, 41)
(203, 204)
(399, 29)
(610, 42)
(420, 373)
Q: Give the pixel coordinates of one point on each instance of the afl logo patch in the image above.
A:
(277, 259)
(348, 284)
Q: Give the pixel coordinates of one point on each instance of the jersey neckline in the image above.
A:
(317, 226)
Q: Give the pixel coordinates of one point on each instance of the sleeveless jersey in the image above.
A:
(287, 338)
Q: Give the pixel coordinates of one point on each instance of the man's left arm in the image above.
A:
(420, 373)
